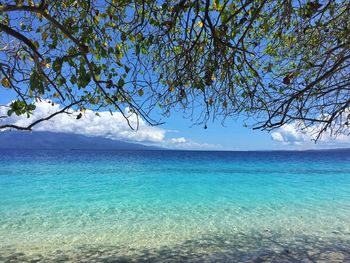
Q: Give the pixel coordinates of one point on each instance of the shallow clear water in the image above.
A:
(107, 206)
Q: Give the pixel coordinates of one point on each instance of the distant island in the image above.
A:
(64, 141)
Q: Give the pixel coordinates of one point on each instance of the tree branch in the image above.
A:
(29, 127)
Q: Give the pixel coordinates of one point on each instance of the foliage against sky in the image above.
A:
(276, 61)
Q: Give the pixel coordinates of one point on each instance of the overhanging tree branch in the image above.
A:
(30, 126)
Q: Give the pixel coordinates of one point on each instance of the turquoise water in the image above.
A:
(172, 206)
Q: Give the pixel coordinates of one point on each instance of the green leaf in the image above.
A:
(44, 36)
(5, 82)
(73, 79)
(31, 107)
(121, 83)
(123, 36)
(140, 92)
(137, 49)
(35, 83)
(57, 65)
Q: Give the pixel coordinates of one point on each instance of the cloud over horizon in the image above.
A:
(104, 124)
(292, 134)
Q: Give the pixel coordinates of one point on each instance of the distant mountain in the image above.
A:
(51, 140)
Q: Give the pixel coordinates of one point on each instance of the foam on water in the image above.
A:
(174, 206)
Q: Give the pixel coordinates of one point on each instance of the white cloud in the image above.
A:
(288, 134)
(184, 144)
(295, 134)
(277, 136)
(178, 140)
(105, 125)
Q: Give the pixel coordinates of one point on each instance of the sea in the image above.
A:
(174, 206)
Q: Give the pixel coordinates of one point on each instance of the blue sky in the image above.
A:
(228, 136)
(177, 132)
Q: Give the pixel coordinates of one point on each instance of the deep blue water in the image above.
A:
(160, 206)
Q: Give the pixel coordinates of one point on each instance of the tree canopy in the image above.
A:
(275, 61)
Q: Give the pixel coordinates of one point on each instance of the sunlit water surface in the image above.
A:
(169, 206)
